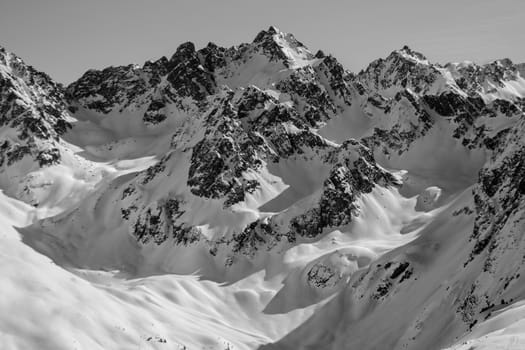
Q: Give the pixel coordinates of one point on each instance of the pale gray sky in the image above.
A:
(66, 37)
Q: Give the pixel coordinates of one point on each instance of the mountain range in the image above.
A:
(262, 196)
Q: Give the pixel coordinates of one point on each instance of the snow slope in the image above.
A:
(54, 307)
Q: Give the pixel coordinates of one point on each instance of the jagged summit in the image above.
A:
(11, 61)
(504, 62)
(404, 55)
(193, 73)
(265, 34)
(405, 69)
(184, 50)
(409, 54)
(282, 46)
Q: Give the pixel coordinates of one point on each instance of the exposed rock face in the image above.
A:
(355, 172)
(498, 200)
(188, 77)
(413, 122)
(272, 41)
(404, 69)
(102, 90)
(33, 114)
(486, 79)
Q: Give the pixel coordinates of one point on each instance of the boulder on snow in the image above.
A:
(427, 200)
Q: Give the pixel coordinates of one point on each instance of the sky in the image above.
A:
(64, 38)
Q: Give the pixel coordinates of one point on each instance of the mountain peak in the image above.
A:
(282, 46)
(504, 62)
(185, 52)
(184, 49)
(273, 29)
(6, 55)
(263, 35)
(407, 53)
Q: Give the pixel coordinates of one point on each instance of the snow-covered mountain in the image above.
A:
(263, 196)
